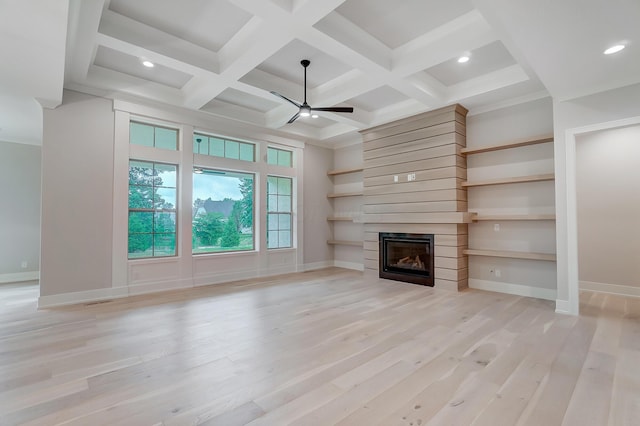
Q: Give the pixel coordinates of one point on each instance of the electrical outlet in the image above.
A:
(24, 264)
(496, 227)
(411, 177)
(498, 273)
(395, 178)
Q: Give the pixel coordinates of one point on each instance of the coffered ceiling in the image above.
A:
(386, 59)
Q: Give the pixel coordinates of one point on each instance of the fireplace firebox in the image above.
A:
(406, 257)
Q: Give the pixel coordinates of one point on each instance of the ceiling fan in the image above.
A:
(304, 109)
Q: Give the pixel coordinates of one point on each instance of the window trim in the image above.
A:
(290, 212)
(154, 125)
(254, 145)
(278, 149)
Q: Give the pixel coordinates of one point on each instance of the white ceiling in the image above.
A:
(386, 59)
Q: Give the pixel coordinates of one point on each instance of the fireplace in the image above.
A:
(406, 257)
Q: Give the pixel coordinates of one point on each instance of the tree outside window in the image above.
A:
(222, 211)
(152, 209)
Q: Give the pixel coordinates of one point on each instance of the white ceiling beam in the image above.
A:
(84, 19)
(258, 79)
(347, 86)
(358, 119)
(450, 40)
(279, 116)
(309, 12)
(505, 77)
(253, 44)
(185, 55)
(201, 89)
(155, 57)
(336, 130)
(109, 80)
(397, 111)
(427, 84)
(356, 39)
(236, 112)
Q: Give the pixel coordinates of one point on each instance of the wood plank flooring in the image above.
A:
(319, 348)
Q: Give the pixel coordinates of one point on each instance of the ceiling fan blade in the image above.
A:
(286, 99)
(334, 109)
(294, 118)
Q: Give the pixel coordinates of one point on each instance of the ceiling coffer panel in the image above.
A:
(206, 23)
(132, 65)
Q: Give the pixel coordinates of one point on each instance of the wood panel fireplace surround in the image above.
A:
(406, 257)
(413, 171)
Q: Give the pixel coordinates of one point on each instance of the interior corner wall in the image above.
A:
(529, 120)
(607, 184)
(571, 117)
(317, 160)
(20, 214)
(77, 201)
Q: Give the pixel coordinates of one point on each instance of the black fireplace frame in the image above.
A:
(406, 275)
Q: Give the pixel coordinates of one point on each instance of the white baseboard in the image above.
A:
(157, 286)
(82, 297)
(563, 307)
(620, 290)
(147, 287)
(316, 265)
(508, 288)
(19, 277)
(348, 265)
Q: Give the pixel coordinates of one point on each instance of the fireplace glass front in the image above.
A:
(406, 257)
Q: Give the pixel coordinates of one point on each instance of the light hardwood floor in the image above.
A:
(319, 348)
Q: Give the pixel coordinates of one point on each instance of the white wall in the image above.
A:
(86, 153)
(608, 184)
(521, 122)
(77, 188)
(20, 212)
(317, 184)
(611, 109)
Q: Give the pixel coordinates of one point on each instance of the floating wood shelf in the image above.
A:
(343, 171)
(345, 243)
(340, 219)
(511, 254)
(345, 194)
(501, 217)
(519, 179)
(498, 147)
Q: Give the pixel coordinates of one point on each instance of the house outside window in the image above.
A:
(223, 209)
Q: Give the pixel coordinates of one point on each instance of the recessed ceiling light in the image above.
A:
(614, 49)
(463, 59)
(148, 64)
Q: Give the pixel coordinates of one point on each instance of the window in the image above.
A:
(152, 209)
(153, 136)
(279, 157)
(222, 211)
(217, 147)
(279, 202)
